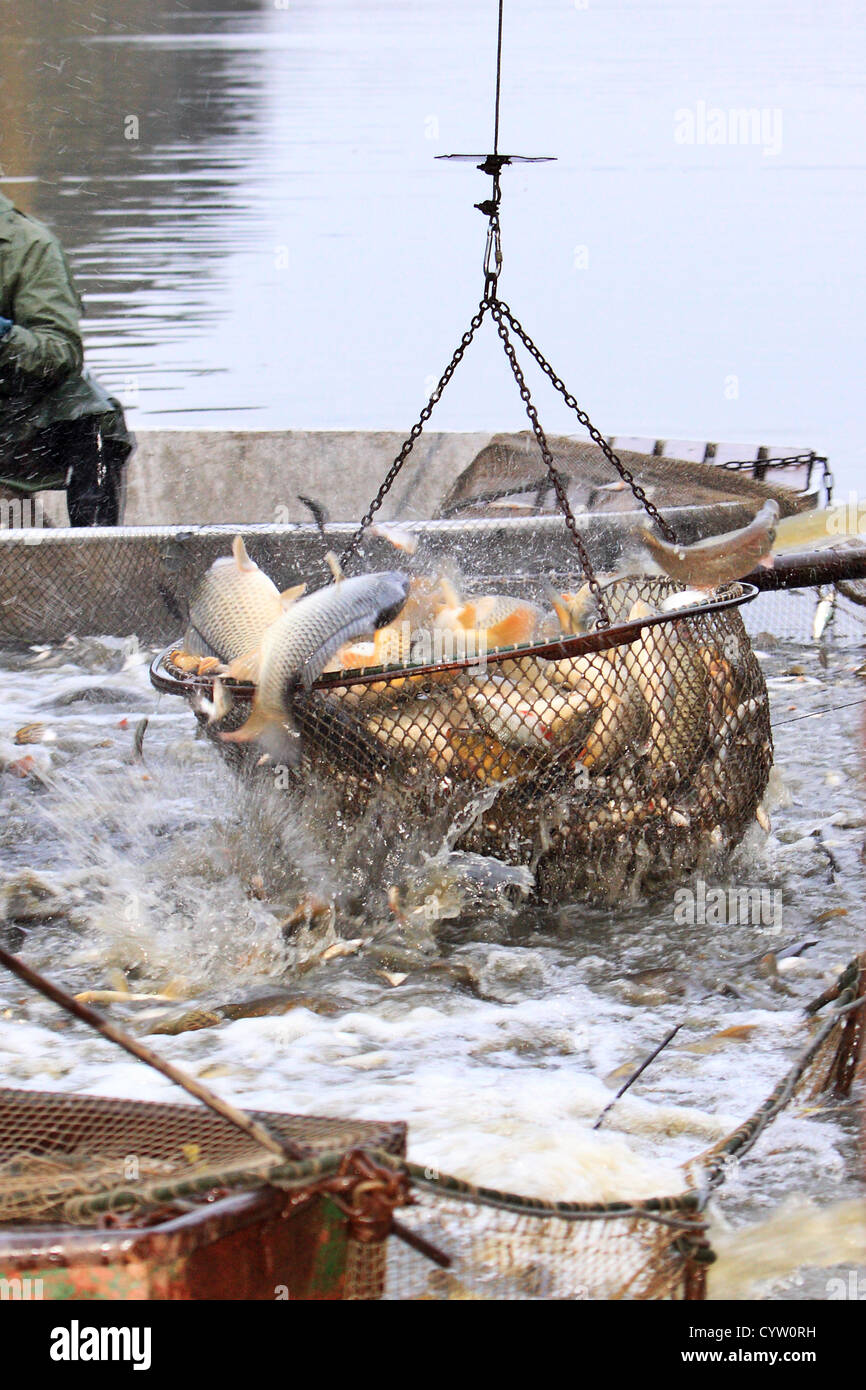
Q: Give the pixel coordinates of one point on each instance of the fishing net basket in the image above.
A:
(627, 756)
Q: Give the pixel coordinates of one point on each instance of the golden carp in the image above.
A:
(718, 559)
(485, 623)
(575, 612)
(484, 758)
(298, 646)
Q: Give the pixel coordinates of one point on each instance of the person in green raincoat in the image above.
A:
(58, 427)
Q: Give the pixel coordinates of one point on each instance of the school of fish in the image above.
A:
(638, 718)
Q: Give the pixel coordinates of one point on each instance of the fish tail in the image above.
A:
(288, 596)
(274, 734)
(246, 667)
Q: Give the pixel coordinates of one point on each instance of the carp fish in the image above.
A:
(484, 623)
(296, 649)
(718, 559)
(232, 607)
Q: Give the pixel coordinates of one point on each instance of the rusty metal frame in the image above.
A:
(599, 640)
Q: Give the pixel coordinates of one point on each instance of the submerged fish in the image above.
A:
(719, 559)
(298, 646)
(232, 606)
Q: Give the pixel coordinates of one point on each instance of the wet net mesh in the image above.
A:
(82, 1161)
(505, 1247)
(632, 764)
(509, 474)
(58, 1152)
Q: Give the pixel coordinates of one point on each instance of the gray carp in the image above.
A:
(296, 649)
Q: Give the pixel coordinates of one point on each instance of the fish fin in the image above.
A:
(246, 667)
(222, 702)
(272, 733)
(242, 559)
(288, 596)
(364, 626)
(560, 609)
(196, 645)
(467, 616)
(517, 627)
(334, 566)
(450, 594)
(652, 542)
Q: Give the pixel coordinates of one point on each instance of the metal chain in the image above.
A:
(738, 465)
(497, 309)
(627, 477)
(811, 458)
(417, 428)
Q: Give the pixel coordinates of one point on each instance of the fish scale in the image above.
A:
(297, 648)
(231, 608)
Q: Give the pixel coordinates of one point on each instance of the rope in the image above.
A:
(498, 80)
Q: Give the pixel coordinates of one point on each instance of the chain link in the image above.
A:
(417, 428)
(788, 461)
(627, 477)
(498, 311)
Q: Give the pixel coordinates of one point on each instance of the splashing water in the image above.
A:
(301, 966)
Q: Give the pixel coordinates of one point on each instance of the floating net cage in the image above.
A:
(627, 756)
(65, 1166)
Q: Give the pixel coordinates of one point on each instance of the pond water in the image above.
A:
(249, 196)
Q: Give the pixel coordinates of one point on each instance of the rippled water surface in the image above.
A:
(249, 195)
